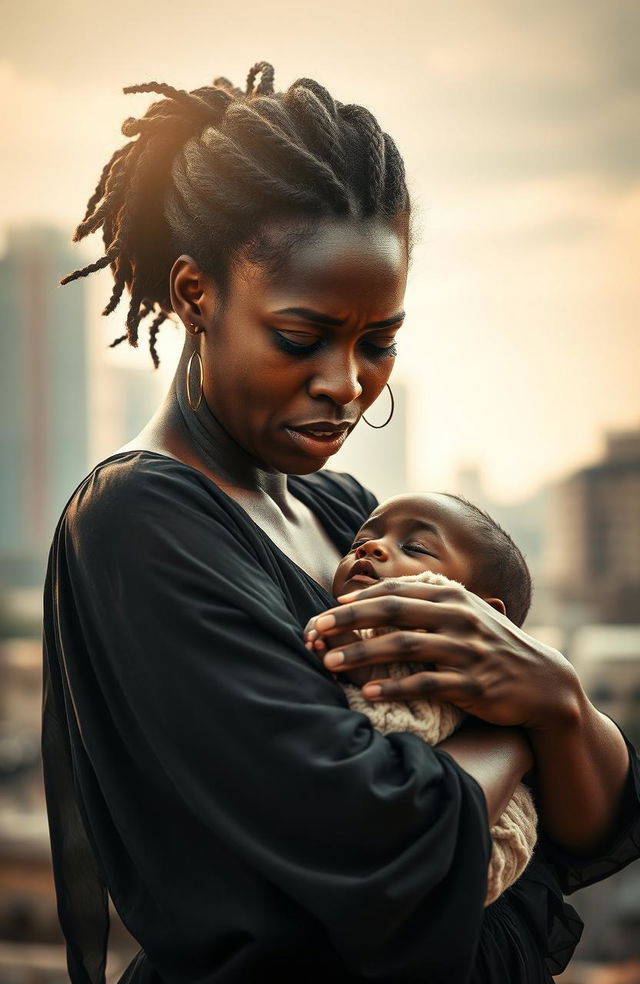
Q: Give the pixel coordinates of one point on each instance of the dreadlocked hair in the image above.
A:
(203, 171)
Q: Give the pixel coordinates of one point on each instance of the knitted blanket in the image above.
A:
(514, 834)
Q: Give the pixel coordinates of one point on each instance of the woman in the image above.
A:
(200, 761)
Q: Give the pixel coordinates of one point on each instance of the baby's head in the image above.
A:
(444, 534)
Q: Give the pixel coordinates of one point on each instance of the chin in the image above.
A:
(305, 467)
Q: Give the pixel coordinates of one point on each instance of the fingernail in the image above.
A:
(324, 622)
(371, 690)
(349, 596)
(333, 660)
(311, 634)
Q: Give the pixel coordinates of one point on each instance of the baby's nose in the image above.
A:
(372, 548)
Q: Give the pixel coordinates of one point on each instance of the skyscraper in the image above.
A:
(595, 538)
(43, 395)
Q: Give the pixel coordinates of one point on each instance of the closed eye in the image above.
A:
(292, 347)
(418, 548)
(380, 351)
(305, 344)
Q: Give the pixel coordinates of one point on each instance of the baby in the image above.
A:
(440, 538)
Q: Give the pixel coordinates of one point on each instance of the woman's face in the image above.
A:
(296, 356)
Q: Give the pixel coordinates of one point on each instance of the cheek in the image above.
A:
(342, 570)
(254, 382)
(373, 379)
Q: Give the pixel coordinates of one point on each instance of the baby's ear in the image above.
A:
(498, 604)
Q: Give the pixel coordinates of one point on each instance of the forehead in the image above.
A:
(449, 517)
(335, 265)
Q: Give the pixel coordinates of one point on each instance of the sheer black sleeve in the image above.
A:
(186, 684)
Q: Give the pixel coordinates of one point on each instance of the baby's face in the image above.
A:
(406, 535)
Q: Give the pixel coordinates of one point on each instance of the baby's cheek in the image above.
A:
(339, 579)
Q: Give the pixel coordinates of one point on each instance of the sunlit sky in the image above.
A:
(519, 126)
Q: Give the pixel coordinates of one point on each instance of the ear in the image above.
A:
(194, 296)
(498, 604)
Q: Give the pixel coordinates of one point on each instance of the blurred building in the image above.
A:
(43, 396)
(594, 542)
(607, 657)
(378, 458)
(124, 398)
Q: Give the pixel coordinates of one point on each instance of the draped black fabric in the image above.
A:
(204, 767)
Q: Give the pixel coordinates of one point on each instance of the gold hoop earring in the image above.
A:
(380, 426)
(195, 406)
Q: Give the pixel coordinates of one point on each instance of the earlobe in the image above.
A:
(193, 295)
(498, 604)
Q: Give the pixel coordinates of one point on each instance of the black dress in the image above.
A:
(206, 768)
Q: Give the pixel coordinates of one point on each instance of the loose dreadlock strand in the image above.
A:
(100, 264)
(118, 341)
(267, 76)
(168, 91)
(106, 171)
(116, 294)
(154, 328)
(114, 192)
(136, 312)
(188, 100)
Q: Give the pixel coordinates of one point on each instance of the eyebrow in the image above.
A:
(317, 318)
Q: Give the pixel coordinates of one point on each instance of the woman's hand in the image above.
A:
(487, 666)
(358, 675)
(480, 661)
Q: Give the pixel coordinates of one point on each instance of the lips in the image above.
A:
(322, 428)
(363, 570)
(320, 438)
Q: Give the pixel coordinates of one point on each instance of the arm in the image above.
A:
(497, 758)
(579, 791)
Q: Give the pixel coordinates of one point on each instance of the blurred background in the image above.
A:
(518, 376)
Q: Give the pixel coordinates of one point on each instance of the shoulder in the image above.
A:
(133, 492)
(124, 479)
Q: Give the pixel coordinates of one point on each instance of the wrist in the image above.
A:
(566, 710)
(577, 718)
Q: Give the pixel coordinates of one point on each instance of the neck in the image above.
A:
(199, 438)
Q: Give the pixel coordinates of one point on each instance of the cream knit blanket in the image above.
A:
(514, 835)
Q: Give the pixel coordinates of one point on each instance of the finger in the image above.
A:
(445, 686)
(392, 609)
(399, 647)
(410, 589)
(309, 628)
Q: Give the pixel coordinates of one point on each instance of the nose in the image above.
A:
(337, 379)
(372, 548)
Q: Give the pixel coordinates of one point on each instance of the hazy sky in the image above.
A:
(519, 126)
